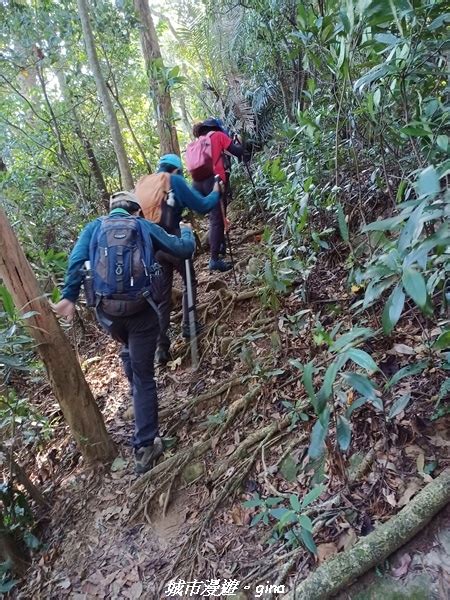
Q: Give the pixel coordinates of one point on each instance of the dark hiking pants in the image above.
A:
(138, 334)
(216, 225)
(165, 293)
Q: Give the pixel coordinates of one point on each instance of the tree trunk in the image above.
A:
(69, 385)
(162, 102)
(102, 90)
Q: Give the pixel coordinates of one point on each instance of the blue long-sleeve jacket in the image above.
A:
(187, 197)
(181, 247)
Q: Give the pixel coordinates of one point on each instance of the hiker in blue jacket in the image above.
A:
(181, 196)
(137, 331)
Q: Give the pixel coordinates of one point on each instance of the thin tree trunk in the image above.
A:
(102, 90)
(19, 473)
(115, 95)
(95, 169)
(151, 50)
(66, 377)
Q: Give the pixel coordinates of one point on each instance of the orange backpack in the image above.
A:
(152, 192)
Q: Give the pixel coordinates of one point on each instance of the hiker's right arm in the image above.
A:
(192, 199)
(78, 256)
(72, 283)
(181, 247)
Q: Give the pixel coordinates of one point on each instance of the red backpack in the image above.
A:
(199, 159)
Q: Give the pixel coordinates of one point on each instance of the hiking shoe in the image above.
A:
(146, 457)
(162, 357)
(219, 265)
(186, 330)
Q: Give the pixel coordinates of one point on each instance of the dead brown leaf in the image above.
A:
(404, 349)
(324, 551)
(411, 489)
(403, 566)
(134, 592)
(347, 539)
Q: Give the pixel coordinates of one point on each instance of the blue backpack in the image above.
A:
(124, 269)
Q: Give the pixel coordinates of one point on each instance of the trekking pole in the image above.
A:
(191, 311)
(227, 236)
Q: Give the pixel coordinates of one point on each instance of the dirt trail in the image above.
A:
(232, 434)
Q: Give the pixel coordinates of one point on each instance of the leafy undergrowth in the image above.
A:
(246, 490)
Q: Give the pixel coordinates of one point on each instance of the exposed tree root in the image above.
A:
(343, 569)
(242, 450)
(194, 402)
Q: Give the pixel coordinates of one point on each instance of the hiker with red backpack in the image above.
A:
(163, 197)
(121, 279)
(206, 158)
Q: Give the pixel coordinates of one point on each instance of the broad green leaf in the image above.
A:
(442, 141)
(428, 182)
(312, 495)
(415, 130)
(361, 384)
(343, 227)
(354, 405)
(29, 314)
(7, 586)
(363, 359)
(7, 302)
(308, 382)
(308, 540)
(295, 502)
(385, 224)
(443, 341)
(253, 502)
(343, 433)
(407, 372)
(256, 519)
(318, 436)
(400, 404)
(415, 286)
(289, 468)
(305, 522)
(272, 501)
(351, 336)
(393, 309)
(444, 390)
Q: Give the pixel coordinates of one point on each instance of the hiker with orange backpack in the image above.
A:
(207, 157)
(163, 196)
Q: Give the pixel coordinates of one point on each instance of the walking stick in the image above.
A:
(227, 237)
(191, 311)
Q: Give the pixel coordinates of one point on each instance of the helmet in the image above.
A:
(117, 197)
(171, 159)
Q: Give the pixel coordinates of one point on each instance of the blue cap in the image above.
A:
(171, 159)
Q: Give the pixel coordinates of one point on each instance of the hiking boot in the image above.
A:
(186, 330)
(162, 357)
(219, 265)
(146, 457)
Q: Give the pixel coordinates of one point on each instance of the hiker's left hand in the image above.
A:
(226, 224)
(64, 308)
